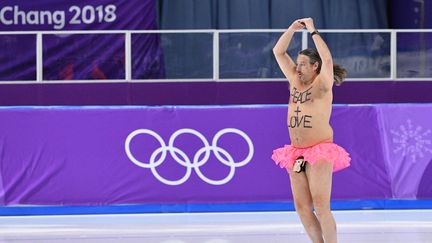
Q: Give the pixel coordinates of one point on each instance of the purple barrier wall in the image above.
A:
(213, 154)
(205, 93)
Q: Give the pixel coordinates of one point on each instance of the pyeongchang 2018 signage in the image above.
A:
(88, 14)
(74, 14)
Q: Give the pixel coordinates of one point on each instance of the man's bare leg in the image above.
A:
(319, 177)
(304, 206)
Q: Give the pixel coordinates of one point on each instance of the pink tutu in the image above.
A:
(286, 155)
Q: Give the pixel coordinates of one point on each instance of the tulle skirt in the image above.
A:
(286, 156)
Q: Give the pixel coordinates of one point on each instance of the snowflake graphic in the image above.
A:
(411, 140)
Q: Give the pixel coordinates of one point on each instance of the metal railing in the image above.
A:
(215, 50)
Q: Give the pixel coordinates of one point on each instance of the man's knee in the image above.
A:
(321, 206)
(302, 208)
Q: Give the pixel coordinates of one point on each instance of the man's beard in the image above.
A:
(304, 79)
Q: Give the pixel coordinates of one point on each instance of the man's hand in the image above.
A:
(309, 24)
(297, 25)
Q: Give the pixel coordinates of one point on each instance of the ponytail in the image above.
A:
(339, 74)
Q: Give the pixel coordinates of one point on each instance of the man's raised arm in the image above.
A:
(323, 50)
(286, 64)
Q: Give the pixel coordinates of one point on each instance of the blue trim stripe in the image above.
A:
(213, 207)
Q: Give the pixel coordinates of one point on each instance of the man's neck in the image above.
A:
(308, 82)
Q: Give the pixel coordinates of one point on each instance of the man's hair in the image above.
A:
(339, 72)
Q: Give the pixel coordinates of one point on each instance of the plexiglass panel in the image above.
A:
(172, 56)
(363, 55)
(83, 57)
(414, 55)
(17, 57)
(250, 55)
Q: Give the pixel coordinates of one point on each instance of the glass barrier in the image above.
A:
(17, 50)
(250, 55)
(414, 55)
(83, 57)
(186, 56)
(172, 56)
(363, 55)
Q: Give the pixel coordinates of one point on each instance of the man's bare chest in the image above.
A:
(305, 96)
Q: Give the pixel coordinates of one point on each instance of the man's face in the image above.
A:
(305, 70)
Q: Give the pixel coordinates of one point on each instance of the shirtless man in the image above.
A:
(312, 156)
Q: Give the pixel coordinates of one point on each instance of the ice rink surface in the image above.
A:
(383, 226)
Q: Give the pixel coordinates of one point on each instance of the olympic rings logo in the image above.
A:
(191, 164)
